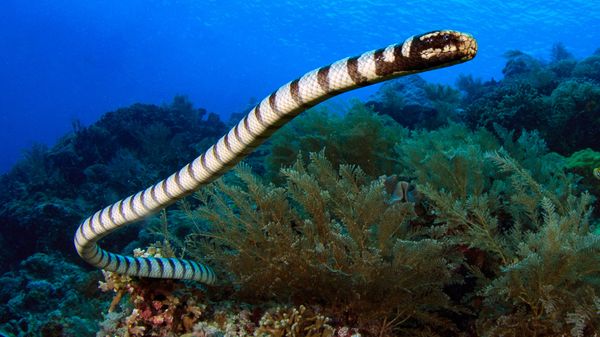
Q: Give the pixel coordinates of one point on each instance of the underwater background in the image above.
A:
(75, 60)
(458, 202)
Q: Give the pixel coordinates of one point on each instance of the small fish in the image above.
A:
(399, 190)
(596, 172)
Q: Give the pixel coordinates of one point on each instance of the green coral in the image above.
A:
(328, 236)
(359, 137)
(583, 163)
(548, 281)
(589, 67)
(531, 245)
(584, 160)
(498, 239)
(575, 106)
(560, 99)
(516, 105)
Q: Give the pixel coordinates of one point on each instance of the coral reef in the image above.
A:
(575, 106)
(589, 67)
(392, 218)
(172, 308)
(48, 297)
(586, 163)
(359, 137)
(158, 307)
(514, 106)
(308, 243)
(529, 245)
(560, 99)
(414, 103)
(95, 165)
(47, 193)
(500, 241)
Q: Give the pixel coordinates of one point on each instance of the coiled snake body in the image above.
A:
(417, 54)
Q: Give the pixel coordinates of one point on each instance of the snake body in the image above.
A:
(417, 54)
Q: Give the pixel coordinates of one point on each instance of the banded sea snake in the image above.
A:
(417, 54)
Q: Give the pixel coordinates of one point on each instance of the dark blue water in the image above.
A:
(62, 61)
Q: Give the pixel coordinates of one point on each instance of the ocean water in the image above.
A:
(62, 61)
(472, 208)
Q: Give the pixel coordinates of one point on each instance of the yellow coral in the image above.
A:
(329, 236)
(294, 322)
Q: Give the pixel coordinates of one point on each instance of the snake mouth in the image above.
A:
(467, 45)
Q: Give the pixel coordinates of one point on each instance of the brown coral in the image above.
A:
(327, 237)
(294, 322)
(158, 307)
(504, 244)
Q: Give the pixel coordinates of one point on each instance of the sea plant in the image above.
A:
(586, 163)
(499, 241)
(525, 230)
(328, 236)
(548, 283)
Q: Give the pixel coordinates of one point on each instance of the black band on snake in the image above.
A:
(417, 54)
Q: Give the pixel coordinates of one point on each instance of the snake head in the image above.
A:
(440, 48)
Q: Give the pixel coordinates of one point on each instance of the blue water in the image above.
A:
(62, 61)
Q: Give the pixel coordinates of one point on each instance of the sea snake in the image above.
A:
(417, 54)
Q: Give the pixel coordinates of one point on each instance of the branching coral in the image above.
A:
(530, 245)
(327, 237)
(549, 282)
(294, 322)
(497, 230)
(155, 308)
